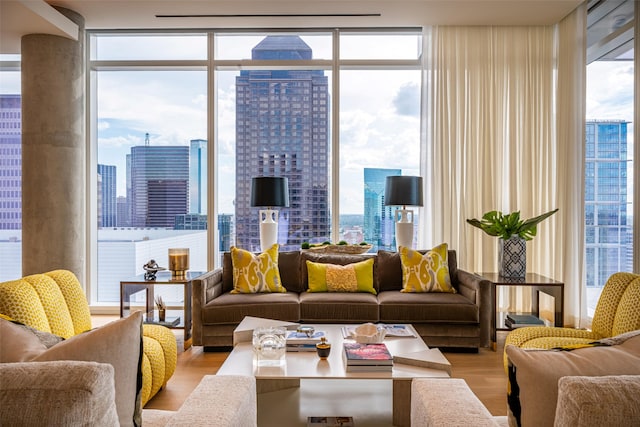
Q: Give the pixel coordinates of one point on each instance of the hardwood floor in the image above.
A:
(483, 372)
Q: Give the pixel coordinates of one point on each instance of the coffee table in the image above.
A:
(307, 366)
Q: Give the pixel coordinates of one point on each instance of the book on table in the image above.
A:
(359, 354)
(330, 422)
(295, 337)
(300, 347)
(168, 321)
(519, 320)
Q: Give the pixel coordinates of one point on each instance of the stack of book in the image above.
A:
(300, 341)
(367, 357)
(521, 320)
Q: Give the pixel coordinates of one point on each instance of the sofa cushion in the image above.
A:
(332, 307)
(399, 307)
(338, 259)
(534, 374)
(388, 276)
(288, 264)
(256, 273)
(18, 344)
(118, 343)
(232, 308)
(427, 272)
(356, 277)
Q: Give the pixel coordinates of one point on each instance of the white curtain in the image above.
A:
(504, 130)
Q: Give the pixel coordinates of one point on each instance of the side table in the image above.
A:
(138, 284)
(537, 283)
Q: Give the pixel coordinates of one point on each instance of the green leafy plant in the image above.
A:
(501, 225)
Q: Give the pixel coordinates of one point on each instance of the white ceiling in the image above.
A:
(19, 17)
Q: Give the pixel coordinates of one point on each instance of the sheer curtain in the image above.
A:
(504, 127)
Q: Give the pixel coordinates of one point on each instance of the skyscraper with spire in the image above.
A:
(282, 129)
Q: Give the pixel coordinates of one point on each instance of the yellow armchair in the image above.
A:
(54, 302)
(617, 312)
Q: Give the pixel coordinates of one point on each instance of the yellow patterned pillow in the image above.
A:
(426, 273)
(355, 277)
(256, 273)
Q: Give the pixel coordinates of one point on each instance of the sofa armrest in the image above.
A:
(205, 288)
(598, 401)
(478, 290)
(57, 393)
(446, 402)
(221, 400)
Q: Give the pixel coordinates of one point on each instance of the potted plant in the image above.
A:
(513, 233)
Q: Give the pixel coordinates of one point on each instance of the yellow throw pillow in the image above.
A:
(426, 273)
(355, 277)
(256, 273)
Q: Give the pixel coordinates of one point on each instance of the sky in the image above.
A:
(379, 116)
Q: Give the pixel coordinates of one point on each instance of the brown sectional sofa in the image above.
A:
(446, 320)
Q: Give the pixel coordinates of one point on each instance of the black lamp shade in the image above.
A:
(403, 191)
(270, 191)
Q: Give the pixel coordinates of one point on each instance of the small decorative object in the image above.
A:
(323, 348)
(269, 346)
(341, 247)
(162, 308)
(403, 191)
(513, 234)
(178, 262)
(369, 333)
(151, 268)
(306, 329)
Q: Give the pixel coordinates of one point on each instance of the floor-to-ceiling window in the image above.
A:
(149, 180)
(333, 111)
(10, 168)
(609, 162)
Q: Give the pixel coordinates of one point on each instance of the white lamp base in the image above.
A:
(404, 228)
(268, 228)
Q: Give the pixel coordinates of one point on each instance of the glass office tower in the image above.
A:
(159, 185)
(282, 129)
(108, 208)
(379, 228)
(608, 225)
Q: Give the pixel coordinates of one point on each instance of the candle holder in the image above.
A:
(178, 262)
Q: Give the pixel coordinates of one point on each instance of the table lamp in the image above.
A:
(269, 192)
(403, 191)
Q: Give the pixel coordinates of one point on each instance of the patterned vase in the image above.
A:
(512, 256)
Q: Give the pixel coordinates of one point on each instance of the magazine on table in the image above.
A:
(392, 330)
(295, 337)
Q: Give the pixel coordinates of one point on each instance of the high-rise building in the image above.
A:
(379, 228)
(198, 176)
(282, 129)
(159, 184)
(608, 224)
(107, 189)
(123, 215)
(11, 162)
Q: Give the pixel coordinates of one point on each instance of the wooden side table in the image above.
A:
(537, 283)
(133, 286)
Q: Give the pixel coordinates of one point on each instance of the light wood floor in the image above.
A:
(483, 371)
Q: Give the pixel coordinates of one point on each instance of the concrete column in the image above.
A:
(53, 152)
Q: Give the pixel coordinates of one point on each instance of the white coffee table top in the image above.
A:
(308, 365)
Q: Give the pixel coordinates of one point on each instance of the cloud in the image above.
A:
(407, 100)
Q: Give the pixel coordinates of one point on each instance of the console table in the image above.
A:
(537, 283)
(133, 286)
